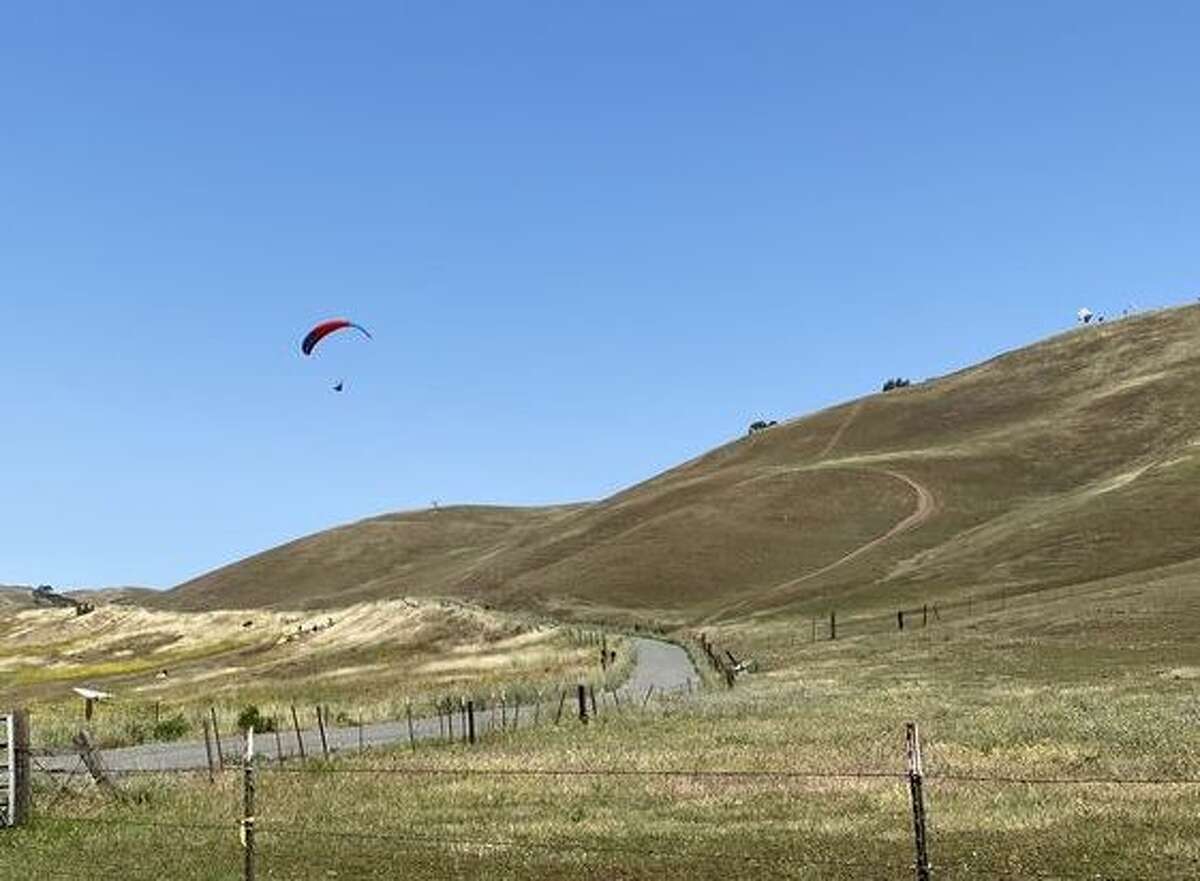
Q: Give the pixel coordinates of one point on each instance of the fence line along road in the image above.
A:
(660, 665)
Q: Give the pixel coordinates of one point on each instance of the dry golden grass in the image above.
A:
(365, 662)
(1071, 460)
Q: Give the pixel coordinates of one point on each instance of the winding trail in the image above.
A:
(663, 665)
(926, 506)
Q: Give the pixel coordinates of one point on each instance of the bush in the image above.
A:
(895, 383)
(171, 728)
(252, 718)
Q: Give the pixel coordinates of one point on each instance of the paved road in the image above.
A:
(662, 665)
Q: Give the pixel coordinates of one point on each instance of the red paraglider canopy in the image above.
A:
(324, 329)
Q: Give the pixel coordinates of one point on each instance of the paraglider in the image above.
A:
(311, 339)
(324, 329)
(1084, 315)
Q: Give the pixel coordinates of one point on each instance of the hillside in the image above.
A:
(1070, 460)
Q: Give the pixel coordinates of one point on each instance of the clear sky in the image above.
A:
(592, 240)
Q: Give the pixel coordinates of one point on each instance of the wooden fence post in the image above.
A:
(900, 618)
(915, 776)
(412, 739)
(562, 699)
(299, 737)
(19, 765)
(278, 741)
(583, 713)
(92, 761)
(248, 808)
(321, 729)
(592, 695)
(470, 721)
(217, 737)
(208, 751)
(833, 625)
(925, 615)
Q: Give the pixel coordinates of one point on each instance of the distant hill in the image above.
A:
(1067, 461)
(18, 596)
(117, 595)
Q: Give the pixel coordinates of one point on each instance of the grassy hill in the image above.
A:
(1064, 462)
(1045, 500)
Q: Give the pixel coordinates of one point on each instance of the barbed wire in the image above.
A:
(319, 767)
(593, 772)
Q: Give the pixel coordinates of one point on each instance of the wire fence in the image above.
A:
(311, 818)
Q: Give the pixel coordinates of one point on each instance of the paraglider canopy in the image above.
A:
(324, 329)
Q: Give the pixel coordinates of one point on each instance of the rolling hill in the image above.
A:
(1068, 461)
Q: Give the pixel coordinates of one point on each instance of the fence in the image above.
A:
(261, 821)
(833, 625)
(15, 777)
(8, 772)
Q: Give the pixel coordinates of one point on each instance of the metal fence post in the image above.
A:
(217, 737)
(208, 751)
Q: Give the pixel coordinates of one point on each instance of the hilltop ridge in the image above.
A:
(1070, 460)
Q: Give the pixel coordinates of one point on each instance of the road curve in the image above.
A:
(661, 665)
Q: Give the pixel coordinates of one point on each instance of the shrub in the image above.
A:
(252, 718)
(171, 728)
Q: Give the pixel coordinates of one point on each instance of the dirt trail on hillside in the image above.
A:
(926, 507)
(841, 429)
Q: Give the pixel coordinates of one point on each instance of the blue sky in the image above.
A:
(592, 240)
